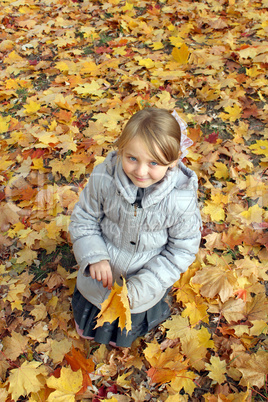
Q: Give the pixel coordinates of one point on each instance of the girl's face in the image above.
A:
(139, 165)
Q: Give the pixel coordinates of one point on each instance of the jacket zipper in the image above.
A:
(135, 209)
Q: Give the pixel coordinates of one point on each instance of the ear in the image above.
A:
(173, 164)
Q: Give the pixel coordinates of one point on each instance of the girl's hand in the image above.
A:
(102, 272)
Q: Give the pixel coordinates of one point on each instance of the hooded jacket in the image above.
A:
(149, 246)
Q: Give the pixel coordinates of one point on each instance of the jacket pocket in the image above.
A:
(149, 241)
(91, 289)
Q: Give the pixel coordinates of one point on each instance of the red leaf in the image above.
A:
(33, 62)
(212, 138)
(103, 49)
(102, 392)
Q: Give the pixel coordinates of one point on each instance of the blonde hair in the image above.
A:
(158, 129)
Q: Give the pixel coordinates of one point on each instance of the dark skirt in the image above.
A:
(85, 317)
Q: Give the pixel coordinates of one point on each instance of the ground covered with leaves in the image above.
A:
(71, 74)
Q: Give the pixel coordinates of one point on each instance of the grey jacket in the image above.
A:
(149, 246)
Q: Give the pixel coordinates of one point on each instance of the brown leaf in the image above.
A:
(215, 280)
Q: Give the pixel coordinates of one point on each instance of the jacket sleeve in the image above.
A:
(163, 270)
(88, 244)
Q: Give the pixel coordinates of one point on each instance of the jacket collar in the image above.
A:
(179, 177)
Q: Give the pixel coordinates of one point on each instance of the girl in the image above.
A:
(136, 218)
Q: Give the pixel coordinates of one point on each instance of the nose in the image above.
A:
(141, 170)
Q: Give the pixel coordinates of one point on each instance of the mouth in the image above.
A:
(140, 178)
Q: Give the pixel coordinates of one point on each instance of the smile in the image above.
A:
(140, 178)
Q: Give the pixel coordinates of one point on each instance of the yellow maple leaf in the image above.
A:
(27, 256)
(168, 365)
(248, 52)
(59, 349)
(176, 398)
(64, 41)
(178, 327)
(66, 386)
(6, 44)
(122, 382)
(116, 306)
(157, 45)
(217, 369)
(12, 58)
(14, 345)
(66, 143)
(64, 102)
(89, 67)
(128, 6)
(87, 89)
(193, 350)
(53, 231)
(253, 214)
(183, 289)
(4, 124)
(253, 72)
(4, 162)
(221, 170)
(196, 312)
(148, 63)
(38, 164)
(3, 394)
(110, 121)
(90, 32)
(32, 107)
(233, 113)
(181, 55)
(260, 147)
(204, 338)
(184, 380)
(165, 101)
(98, 160)
(152, 352)
(259, 327)
(120, 51)
(176, 41)
(24, 380)
(257, 308)
(15, 295)
(39, 332)
(39, 311)
(65, 168)
(62, 66)
(215, 211)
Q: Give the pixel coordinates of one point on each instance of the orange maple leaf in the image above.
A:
(166, 365)
(78, 361)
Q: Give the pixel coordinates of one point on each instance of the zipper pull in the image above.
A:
(135, 209)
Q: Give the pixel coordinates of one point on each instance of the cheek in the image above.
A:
(160, 173)
(126, 166)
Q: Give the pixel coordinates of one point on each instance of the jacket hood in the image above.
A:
(179, 177)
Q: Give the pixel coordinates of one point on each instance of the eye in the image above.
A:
(154, 163)
(132, 158)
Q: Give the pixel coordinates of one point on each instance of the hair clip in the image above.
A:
(186, 142)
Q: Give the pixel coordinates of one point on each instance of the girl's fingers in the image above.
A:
(104, 279)
(99, 276)
(102, 275)
(92, 272)
(110, 280)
